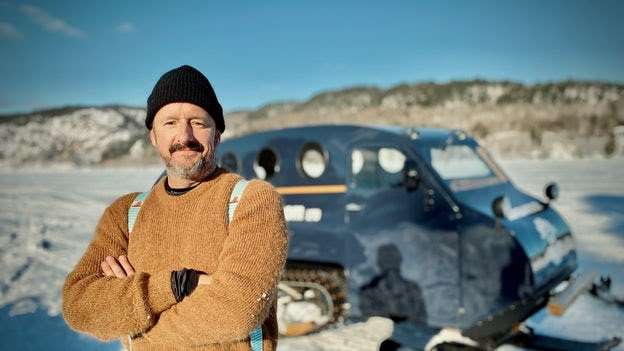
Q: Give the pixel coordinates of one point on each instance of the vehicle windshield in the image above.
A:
(464, 167)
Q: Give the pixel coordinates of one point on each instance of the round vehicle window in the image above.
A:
(229, 162)
(312, 160)
(391, 160)
(266, 165)
(357, 161)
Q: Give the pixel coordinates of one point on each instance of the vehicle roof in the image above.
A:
(425, 134)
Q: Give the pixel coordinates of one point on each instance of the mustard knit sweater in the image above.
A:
(244, 259)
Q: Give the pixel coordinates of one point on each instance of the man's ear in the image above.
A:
(152, 136)
(217, 138)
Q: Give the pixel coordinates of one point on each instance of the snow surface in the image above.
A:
(47, 217)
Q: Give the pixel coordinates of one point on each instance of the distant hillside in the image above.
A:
(555, 120)
(75, 135)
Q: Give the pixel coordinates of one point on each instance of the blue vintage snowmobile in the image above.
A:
(419, 225)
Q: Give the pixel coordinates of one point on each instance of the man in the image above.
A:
(184, 277)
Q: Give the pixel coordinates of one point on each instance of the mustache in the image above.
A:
(188, 146)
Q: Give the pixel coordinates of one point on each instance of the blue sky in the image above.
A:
(56, 53)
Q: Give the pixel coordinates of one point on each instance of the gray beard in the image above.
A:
(197, 172)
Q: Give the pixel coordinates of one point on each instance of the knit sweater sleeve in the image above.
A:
(244, 284)
(109, 307)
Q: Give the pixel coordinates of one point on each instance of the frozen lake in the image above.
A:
(47, 218)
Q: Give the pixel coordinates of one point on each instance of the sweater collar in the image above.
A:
(162, 190)
(177, 191)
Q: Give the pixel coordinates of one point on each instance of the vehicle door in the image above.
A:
(409, 269)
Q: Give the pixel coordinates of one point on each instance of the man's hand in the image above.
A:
(120, 269)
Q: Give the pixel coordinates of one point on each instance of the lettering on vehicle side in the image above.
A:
(553, 253)
(556, 249)
(521, 211)
(546, 230)
(299, 213)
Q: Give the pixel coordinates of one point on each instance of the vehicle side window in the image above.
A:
(266, 164)
(376, 168)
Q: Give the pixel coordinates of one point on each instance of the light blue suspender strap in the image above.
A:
(255, 337)
(235, 197)
(133, 211)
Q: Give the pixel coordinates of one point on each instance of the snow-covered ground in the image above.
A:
(47, 218)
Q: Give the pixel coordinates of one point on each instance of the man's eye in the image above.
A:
(199, 124)
(168, 123)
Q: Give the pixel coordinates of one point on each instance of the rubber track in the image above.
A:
(331, 278)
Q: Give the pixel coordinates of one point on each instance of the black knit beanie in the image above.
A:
(184, 84)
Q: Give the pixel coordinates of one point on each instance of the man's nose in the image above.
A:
(185, 133)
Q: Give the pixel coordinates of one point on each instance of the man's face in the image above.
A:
(186, 138)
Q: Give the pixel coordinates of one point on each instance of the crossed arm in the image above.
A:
(102, 305)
